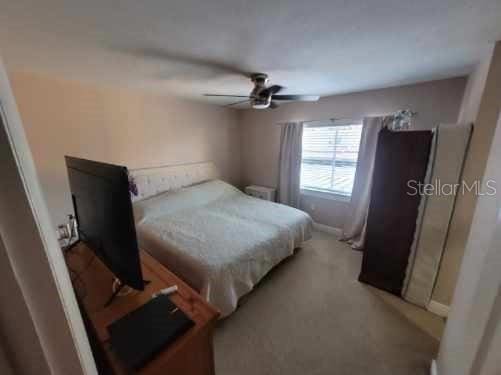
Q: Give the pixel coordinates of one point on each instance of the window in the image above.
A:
(329, 157)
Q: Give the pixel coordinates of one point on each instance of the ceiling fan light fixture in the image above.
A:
(259, 106)
(261, 103)
(263, 96)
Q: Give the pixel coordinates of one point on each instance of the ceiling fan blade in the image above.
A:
(212, 66)
(302, 98)
(240, 102)
(229, 96)
(273, 105)
(272, 90)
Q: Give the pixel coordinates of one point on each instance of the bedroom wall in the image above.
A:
(121, 126)
(482, 82)
(474, 89)
(436, 102)
(471, 340)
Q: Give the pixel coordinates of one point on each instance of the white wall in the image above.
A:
(18, 336)
(473, 325)
(120, 126)
(463, 213)
(481, 106)
(480, 279)
(488, 360)
(474, 89)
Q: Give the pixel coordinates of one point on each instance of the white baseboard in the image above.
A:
(327, 229)
(438, 309)
(433, 368)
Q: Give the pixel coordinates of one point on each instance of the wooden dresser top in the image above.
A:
(93, 282)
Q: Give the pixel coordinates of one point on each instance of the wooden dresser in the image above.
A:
(191, 354)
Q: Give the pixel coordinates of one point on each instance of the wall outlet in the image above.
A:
(313, 207)
(68, 230)
(62, 232)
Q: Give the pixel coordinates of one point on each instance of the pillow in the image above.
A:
(181, 199)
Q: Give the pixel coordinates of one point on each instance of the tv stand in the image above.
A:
(115, 292)
(118, 286)
(191, 353)
(71, 246)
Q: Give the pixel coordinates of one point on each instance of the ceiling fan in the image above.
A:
(263, 96)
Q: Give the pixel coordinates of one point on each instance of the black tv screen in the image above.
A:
(103, 210)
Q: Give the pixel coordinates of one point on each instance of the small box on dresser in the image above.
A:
(261, 192)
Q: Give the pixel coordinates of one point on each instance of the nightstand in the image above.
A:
(261, 192)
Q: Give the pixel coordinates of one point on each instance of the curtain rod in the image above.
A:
(319, 120)
(411, 113)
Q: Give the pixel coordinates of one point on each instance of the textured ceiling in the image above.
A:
(190, 47)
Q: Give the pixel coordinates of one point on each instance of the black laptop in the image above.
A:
(143, 333)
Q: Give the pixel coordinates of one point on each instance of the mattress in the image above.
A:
(217, 239)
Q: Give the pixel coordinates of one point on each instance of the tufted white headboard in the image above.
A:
(156, 180)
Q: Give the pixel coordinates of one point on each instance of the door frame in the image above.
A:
(34, 254)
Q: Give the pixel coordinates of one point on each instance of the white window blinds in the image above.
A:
(329, 157)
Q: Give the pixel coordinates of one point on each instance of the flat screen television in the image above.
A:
(103, 210)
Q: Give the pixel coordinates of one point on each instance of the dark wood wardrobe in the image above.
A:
(401, 156)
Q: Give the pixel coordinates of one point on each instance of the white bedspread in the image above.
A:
(219, 240)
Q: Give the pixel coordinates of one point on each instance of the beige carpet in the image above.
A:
(310, 316)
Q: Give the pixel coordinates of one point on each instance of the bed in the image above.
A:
(219, 240)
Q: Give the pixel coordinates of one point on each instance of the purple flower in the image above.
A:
(133, 186)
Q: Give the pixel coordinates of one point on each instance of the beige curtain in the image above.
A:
(290, 164)
(354, 228)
